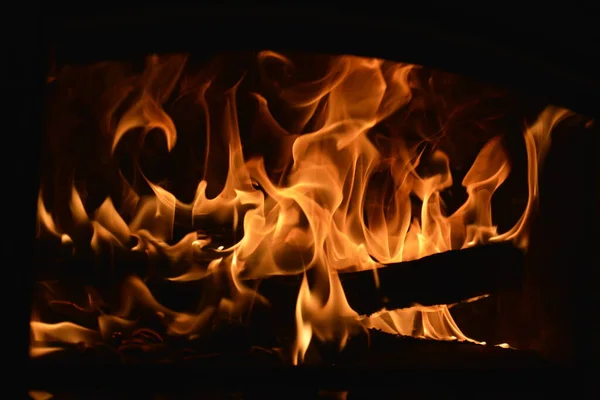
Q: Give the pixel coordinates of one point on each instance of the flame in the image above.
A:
(62, 332)
(324, 215)
(40, 395)
(332, 321)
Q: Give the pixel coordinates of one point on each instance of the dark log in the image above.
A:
(444, 278)
(369, 349)
(384, 359)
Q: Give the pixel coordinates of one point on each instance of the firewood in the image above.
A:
(444, 278)
(366, 359)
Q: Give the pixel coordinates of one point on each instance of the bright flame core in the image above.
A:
(323, 213)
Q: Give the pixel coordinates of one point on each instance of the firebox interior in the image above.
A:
(272, 209)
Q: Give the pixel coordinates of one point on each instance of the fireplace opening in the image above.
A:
(269, 209)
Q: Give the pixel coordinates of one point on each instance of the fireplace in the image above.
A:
(307, 210)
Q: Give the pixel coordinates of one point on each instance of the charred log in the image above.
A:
(367, 359)
(444, 278)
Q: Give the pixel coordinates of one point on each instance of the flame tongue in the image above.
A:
(341, 200)
(331, 320)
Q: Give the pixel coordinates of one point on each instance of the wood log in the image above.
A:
(371, 349)
(381, 358)
(445, 278)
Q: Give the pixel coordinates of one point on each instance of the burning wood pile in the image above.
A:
(269, 209)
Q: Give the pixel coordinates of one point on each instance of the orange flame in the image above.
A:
(65, 332)
(324, 215)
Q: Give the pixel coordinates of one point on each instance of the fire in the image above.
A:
(346, 198)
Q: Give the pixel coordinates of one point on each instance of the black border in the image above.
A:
(486, 50)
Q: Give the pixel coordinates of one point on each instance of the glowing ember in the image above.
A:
(321, 210)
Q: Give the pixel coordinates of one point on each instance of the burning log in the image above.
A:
(366, 359)
(444, 278)
(369, 348)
